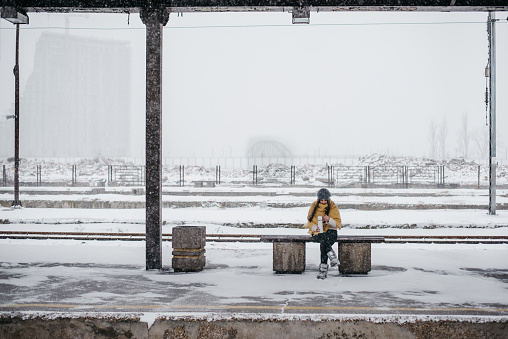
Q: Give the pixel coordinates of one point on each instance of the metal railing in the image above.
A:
(126, 175)
(110, 236)
(273, 174)
(402, 176)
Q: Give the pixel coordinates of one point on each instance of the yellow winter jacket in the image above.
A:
(334, 214)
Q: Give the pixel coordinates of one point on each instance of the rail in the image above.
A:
(393, 239)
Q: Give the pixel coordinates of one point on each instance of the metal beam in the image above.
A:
(134, 6)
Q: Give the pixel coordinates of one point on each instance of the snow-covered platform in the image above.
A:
(68, 275)
(410, 287)
(84, 282)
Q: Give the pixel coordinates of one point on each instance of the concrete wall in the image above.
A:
(55, 327)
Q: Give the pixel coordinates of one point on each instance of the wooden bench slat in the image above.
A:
(307, 238)
(354, 238)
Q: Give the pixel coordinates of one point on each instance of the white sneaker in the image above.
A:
(323, 271)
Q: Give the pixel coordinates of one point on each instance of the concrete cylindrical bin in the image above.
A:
(189, 248)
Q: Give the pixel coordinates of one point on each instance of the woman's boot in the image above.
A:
(334, 261)
(323, 271)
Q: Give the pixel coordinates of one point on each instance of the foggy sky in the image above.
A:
(347, 84)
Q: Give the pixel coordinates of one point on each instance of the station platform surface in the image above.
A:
(110, 276)
(91, 279)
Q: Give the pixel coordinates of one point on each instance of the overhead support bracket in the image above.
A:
(14, 15)
(158, 15)
(301, 15)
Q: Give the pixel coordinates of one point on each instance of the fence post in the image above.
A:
(110, 173)
(182, 175)
(333, 176)
(217, 175)
(405, 173)
(73, 175)
(441, 176)
(407, 177)
(255, 175)
(39, 175)
(293, 175)
(330, 175)
(478, 177)
(4, 175)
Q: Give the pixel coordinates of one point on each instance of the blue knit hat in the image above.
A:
(323, 194)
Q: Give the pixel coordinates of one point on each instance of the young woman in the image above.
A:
(326, 236)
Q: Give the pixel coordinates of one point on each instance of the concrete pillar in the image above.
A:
(154, 19)
(189, 248)
(354, 257)
(289, 257)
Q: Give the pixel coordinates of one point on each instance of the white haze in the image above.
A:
(347, 84)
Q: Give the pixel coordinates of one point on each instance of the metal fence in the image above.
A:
(273, 174)
(126, 175)
(401, 176)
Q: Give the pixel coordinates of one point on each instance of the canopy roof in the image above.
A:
(133, 6)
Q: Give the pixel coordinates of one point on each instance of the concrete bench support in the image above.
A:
(189, 248)
(289, 257)
(354, 258)
(289, 253)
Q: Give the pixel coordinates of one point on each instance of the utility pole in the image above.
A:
(492, 112)
(17, 17)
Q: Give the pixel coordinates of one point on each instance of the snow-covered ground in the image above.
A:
(100, 276)
(83, 276)
(434, 279)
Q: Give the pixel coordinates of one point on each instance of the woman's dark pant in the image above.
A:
(326, 241)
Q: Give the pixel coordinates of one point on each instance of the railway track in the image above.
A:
(242, 237)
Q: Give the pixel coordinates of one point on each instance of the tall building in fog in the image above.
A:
(77, 99)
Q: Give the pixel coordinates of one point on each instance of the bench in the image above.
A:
(354, 252)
